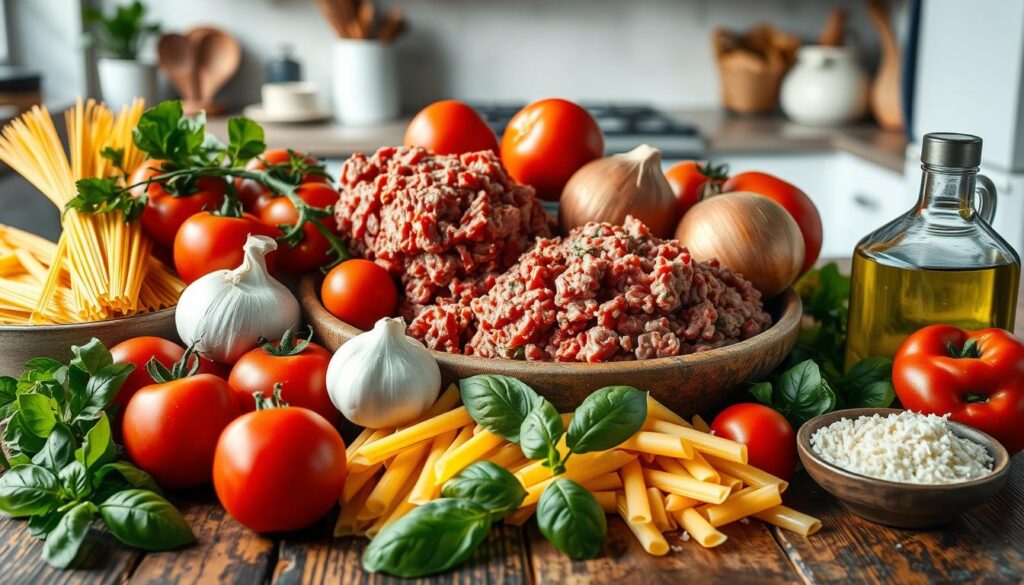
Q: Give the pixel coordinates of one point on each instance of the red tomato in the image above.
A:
(312, 252)
(166, 211)
(547, 141)
(171, 428)
(208, 242)
(450, 127)
(279, 469)
(770, 441)
(138, 351)
(692, 180)
(301, 369)
(291, 166)
(359, 292)
(795, 201)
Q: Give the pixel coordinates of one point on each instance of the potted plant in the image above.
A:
(120, 36)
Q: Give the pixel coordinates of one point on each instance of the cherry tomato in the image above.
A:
(313, 251)
(208, 242)
(279, 469)
(291, 166)
(138, 351)
(795, 201)
(770, 441)
(450, 127)
(166, 211)
(692, 180)
(359, 292)
(300, 368)
(171, 428)
(547, 141)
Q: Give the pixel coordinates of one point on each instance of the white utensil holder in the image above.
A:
(366, 88)
(123, 80)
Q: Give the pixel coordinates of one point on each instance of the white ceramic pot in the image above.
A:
(365, 82)
(826, 87)
(122, 80)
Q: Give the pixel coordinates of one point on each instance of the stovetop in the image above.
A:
(624, 125)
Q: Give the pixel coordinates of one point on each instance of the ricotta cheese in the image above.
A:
(908, 447)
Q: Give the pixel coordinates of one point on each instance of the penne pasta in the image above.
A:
(700, 469)
(506, 456)
(347, 525)
(658, 444)
(419, 432)
(607, 500)
(658, 411)
(426, 487)
(790, 519)
(700, 424)
(675, 502)
(447, 401)
(580, 471)
(659, 515)
(357, 443)
(699, 528)
(686, 486)
(672, 465)
(748, 474)
(609, 481)
(355, 482)
(733, 483)
(646, 534)
(637, 506)
(520, 516)
(387, 490)
(469, 452)
(703, 442)
(744, 505)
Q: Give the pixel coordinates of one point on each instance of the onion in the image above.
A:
(752, 235)
(609, 189)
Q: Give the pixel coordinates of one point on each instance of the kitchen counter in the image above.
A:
(724, 135)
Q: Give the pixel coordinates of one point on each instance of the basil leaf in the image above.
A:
(36, 414)
(102, 387)
(8, 390)
(498, 403)
(606, 418)
(868, 371)
(571, 519)
(802, 394)
(64, 541)
(539, 435)
(487, 484)
(91, 357)
(762, 392)
(430, 539)
(131, 475)
(58, 451)
(29, 490)
(878, 394)
(98, 447)
(245, 139)
(19, 439)
(145, 520)
(75, 480)
(41, 526)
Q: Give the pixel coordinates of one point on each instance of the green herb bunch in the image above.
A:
(122, 33)
(62, 470)
(811, 380)
(443, 533)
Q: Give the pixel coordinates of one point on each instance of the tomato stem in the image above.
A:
(970, 350)
(180, 369)
(287, 346)
(274, 401)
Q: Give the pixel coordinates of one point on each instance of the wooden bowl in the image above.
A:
(689, 384)
(20, 343)
(903, 505)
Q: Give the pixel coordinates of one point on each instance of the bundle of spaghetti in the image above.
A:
(672, 476)
(107, 260)
(25, 262)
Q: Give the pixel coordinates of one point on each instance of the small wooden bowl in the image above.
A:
(903, 505)
(20, 343)
(689, 384)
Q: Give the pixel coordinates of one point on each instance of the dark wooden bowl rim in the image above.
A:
(51, 328)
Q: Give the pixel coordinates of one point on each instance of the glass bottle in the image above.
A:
(941, 262)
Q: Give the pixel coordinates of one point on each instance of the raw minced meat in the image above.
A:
(602, 293)
(446, 225)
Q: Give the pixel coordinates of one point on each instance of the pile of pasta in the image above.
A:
(102, 266)
(672, 475)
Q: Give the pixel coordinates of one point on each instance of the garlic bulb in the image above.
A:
(609, 189)
(228, 311)
(383, 378)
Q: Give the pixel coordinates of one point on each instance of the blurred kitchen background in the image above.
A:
(697, 78)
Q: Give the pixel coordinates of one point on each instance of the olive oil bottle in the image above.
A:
(939, 263)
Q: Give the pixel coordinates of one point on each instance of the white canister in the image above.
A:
(826, 87)
(123, 80)
(365, 82)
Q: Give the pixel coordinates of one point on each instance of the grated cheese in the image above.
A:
(907, 447)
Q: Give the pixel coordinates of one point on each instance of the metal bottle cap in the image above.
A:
(949, 149)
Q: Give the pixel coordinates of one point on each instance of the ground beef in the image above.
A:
(602, 293)
(447, 226)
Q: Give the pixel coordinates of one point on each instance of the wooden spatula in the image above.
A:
(178, 62)
(218, 56)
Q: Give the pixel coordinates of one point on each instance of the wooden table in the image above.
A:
(983, 546)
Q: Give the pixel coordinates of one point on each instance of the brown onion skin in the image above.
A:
(753, 235)
(607, 190)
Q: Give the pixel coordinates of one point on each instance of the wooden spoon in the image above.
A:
(218, 57)
(178, 62)
(834, 30)
(885, 91)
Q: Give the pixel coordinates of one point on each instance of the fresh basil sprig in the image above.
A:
(607, 418)
(570, 518)
(489, 485)
(498, 403)
(64, 472)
